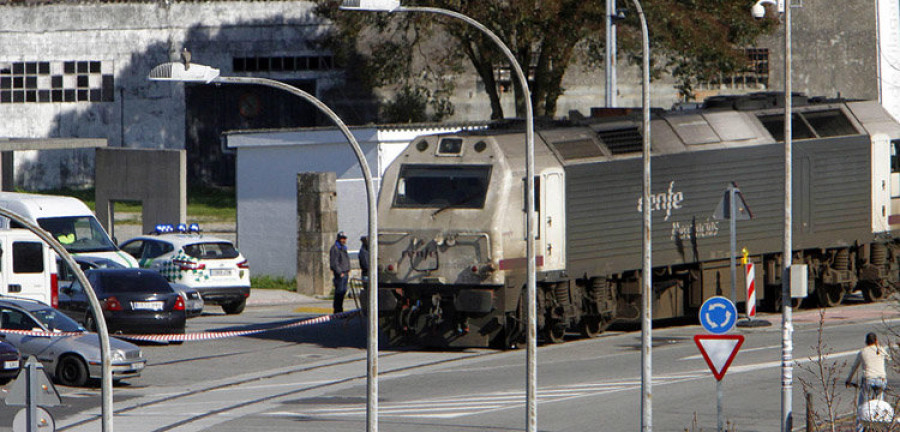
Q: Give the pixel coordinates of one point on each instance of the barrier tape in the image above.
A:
(200, 336)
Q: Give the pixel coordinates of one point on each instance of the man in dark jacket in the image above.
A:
(364, 257)
(339, 261)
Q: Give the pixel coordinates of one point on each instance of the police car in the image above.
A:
(210, 265)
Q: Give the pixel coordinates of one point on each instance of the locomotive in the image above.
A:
(452, 262)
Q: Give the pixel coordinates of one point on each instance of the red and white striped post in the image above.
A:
(750, 280)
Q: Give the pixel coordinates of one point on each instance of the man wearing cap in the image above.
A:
(339, 260)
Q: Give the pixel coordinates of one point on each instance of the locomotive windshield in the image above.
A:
(442, 186)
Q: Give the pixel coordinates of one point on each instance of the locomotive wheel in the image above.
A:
(555, 332)
(591, 327)
(829, 295)
(871, 291)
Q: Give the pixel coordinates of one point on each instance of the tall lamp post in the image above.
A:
(196, 73)
(647, 266)
(758, 11)
(531, 291)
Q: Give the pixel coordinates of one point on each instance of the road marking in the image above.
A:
(460, 406)
(698, 356)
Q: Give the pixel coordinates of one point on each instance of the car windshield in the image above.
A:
(442, 186)
(141, 281)
(218, 250)
(55, 320)
(78, 234)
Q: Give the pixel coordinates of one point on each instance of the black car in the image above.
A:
(9, 362)
(133, 301)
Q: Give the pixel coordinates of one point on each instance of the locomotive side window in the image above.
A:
(442, 186)
(895, 169)
(895, 156)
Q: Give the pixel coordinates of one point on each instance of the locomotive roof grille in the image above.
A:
(578, 149)
(620, 141)
(810, 124)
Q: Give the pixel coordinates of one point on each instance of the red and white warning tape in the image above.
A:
(180, 337)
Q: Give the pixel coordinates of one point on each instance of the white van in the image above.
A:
(27, 267)
(68, 220)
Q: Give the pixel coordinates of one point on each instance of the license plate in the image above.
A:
(12, 364)
(137, 366)
(220, 272)
(151, 305)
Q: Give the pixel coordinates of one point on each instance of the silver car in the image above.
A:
(72, 359)
(193, 301)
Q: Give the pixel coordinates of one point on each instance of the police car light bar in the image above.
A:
(182, 228)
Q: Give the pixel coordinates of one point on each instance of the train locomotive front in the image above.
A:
(451, 244)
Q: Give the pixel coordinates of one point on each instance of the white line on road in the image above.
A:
(698, 356)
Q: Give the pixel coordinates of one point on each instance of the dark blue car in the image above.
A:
(9, 362)
(134, 301)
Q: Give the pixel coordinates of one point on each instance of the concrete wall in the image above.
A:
(154, 177)
(833, 49)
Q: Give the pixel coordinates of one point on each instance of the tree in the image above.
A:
(690, 39)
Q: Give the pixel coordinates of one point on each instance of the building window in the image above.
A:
(56, 81)
(282, 64)
(754, 77)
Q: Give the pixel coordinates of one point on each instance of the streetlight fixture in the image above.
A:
(531, 291)
(759, 11)
(195, 73)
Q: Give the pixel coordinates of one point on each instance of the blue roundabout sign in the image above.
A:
(718, 315)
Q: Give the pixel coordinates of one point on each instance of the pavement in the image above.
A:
(304, 303)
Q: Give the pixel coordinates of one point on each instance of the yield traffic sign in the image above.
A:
(719, 351)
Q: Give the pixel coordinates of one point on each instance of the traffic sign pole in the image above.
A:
(720, 406)
(732, 224)
(718, 315)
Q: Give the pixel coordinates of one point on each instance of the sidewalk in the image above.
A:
(304, 303)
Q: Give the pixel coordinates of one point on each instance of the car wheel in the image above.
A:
(72, 371)
(234, 308)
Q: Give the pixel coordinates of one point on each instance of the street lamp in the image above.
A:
(647, 265)
(758, 11)
(531, 291)
(195, 73)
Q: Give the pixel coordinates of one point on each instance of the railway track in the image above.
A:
(218, 401)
